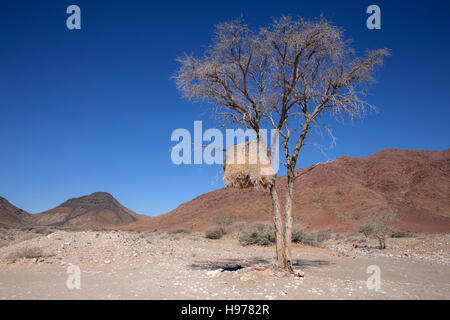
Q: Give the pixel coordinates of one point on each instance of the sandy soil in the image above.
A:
(131, 265)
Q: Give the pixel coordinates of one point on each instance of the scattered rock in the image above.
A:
(214, 273)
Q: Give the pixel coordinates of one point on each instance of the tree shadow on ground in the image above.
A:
(236, 264)
(227, 264)
(307, 264)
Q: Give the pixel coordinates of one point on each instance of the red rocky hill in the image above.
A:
(337, 195)
(98, 210)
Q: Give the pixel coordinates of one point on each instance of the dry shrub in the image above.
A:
(264, 234)
(43, 230)
(27, 253)
(300, 235)
(339, 236)
(245, 167)
(178, 231)
(258, 233)
(3, 234)
(323, 235)
(213, 233)
(402, 234)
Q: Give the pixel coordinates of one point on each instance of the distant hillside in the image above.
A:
(337, 195)
(98, 210)
(11, 216)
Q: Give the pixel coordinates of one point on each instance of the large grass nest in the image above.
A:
(247, 165)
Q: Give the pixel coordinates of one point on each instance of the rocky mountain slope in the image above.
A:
(98, 210)
(337, 195)
(11, 216)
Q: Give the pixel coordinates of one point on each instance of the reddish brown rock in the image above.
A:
(338, 195)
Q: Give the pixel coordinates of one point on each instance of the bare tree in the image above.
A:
(223, 220)
(287, 76)
(379, 225)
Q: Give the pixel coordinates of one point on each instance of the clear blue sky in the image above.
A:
(93, 109)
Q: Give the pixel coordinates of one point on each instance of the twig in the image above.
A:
(307, 170)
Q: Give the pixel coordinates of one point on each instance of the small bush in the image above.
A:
(213, 233)
(177, 231)
(106, 230)
(323, 235)
(27, 253)
(264, 235)
(300, 235)
(40, 230)
(43, 230)
(339, 236)
(402, 234)
(3, 243)
(259, 234)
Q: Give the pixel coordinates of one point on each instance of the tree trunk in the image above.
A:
(381, 241)
(288, 221)
(279, 237)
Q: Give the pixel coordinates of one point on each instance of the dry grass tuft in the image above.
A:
(26, 253)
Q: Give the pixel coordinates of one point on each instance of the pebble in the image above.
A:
(214, 273)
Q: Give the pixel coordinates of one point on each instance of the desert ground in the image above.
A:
(162, 265)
